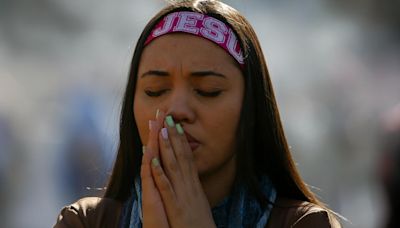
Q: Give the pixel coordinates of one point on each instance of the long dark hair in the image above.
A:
(262, 148)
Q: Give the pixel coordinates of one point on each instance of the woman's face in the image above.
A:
(201, 87)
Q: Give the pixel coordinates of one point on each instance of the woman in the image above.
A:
(200, 106)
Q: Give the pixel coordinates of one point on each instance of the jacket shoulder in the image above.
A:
(90, 212)
(299, 214)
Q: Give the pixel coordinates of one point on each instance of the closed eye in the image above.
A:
(155, 93)
(158, 93)
(208, 94)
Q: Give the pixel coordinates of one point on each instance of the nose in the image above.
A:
(180, 107)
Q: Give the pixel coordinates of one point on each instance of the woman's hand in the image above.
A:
(177, 180)
(152, 205)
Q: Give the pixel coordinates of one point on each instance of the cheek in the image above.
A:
(222, 128)
(142, 116)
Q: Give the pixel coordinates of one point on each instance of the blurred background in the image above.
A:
(335, 65)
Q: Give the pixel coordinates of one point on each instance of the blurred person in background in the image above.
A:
(390, 165)
(201, 140)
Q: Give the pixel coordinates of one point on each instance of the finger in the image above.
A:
(145, 171)
(168, 159)
(180, 146)
(152, 143)
(150, 151)
(149, 189)
(185, 155)
(151, 198)
(164, 186)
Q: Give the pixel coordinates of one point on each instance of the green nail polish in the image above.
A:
(170, 121)
(144, 149)
(179, 129)
(155, 162)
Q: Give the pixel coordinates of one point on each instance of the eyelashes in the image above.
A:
(202, 93)
(155, 93)
(208, 94)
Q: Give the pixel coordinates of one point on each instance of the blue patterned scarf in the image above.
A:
(240, 209)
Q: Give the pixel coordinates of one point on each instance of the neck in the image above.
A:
(218, 184)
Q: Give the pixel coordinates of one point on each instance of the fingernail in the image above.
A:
(144, 149)
(179, 129)
(164, 133)
(170, 121)
(155, 162)
(151, 124)
(157, 113)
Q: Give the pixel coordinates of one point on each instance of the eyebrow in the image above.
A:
(199, 74)
(155, 73)
(207, 73)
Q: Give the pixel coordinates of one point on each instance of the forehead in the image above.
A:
(185, 50)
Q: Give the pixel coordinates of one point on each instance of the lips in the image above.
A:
(194, 144)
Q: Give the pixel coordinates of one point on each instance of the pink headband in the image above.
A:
(200, 25)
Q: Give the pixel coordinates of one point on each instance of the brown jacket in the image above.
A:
(102, 212)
